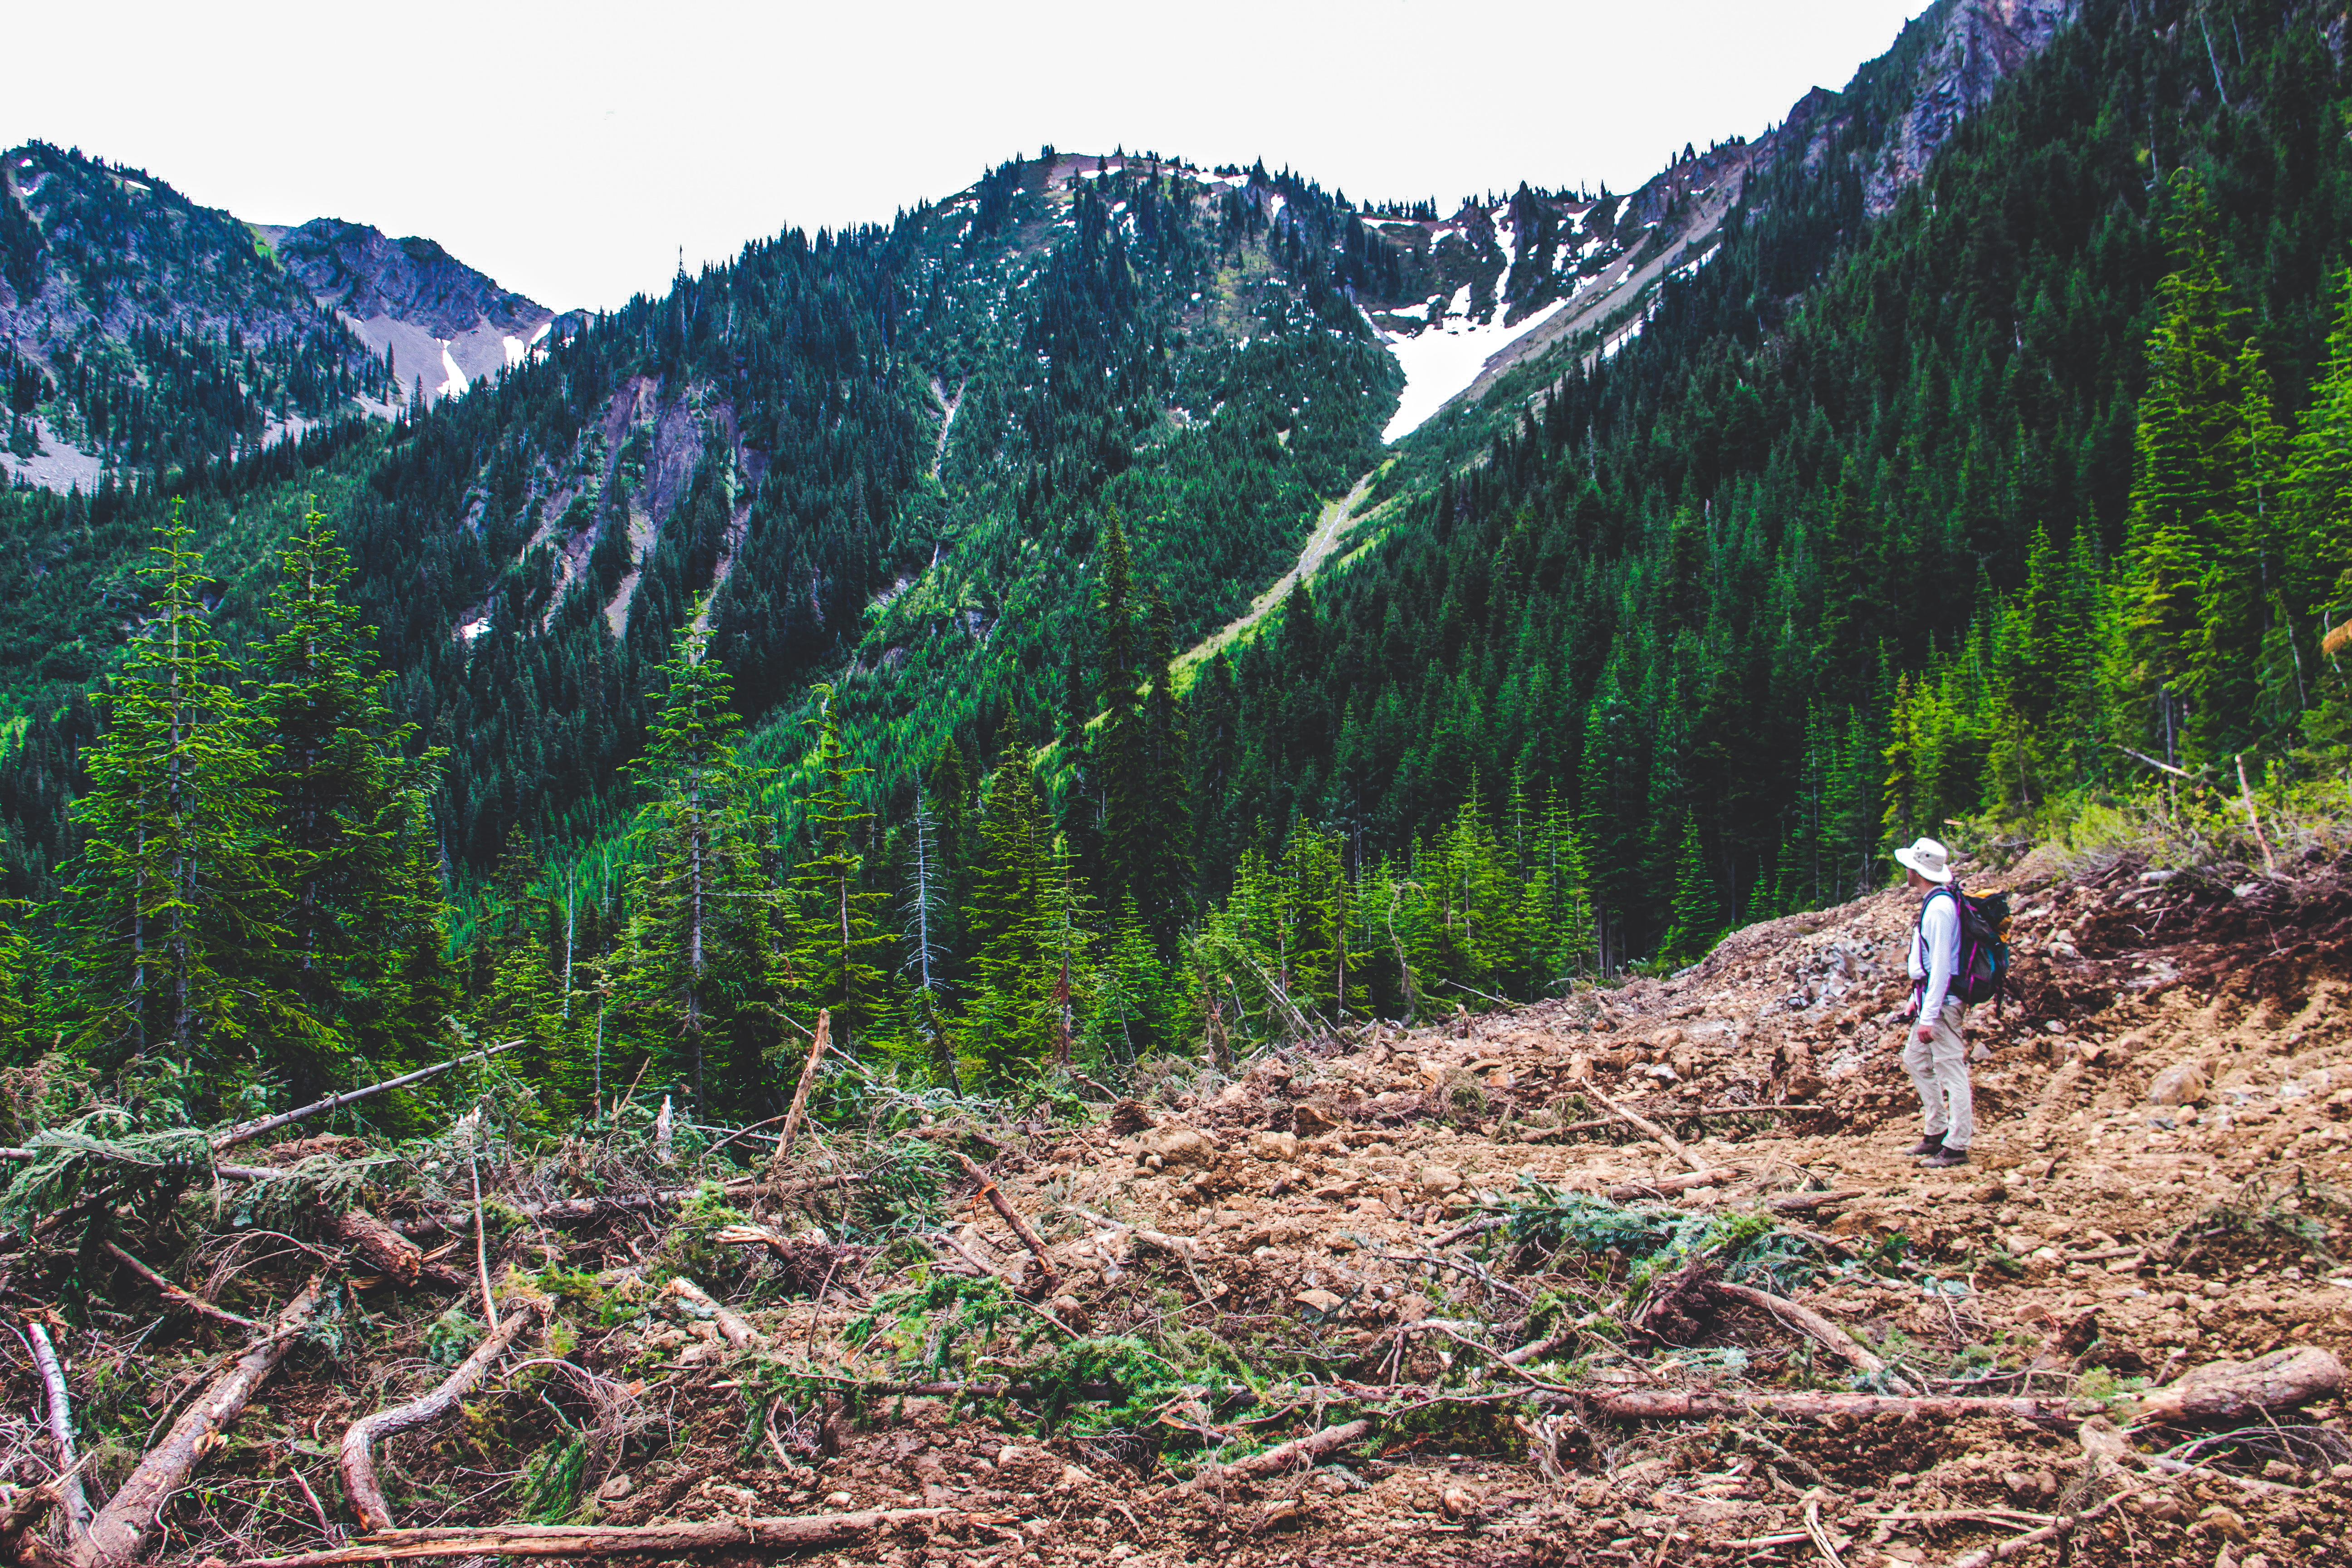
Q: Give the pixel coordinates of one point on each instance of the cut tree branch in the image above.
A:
(1011, 1216)
(361, 1436)
(245, 1131)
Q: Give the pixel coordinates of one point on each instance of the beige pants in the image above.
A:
(1938, 1066)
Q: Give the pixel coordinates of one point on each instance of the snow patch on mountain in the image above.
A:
(1442, 360)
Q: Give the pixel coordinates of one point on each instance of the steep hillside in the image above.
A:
(142, 333)
(1721, 582)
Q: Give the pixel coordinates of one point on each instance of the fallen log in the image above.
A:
(801, 1533)
(126, 1527)
(1704, 1404)
(1704, 1176)
(2245, 1391)
(733, 1327)
(1823, 1332)
(1011, 1216)
(60, 1422)
(359, 1439)
(245, 1131)
(1279, 1457)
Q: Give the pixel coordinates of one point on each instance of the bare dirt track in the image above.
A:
(1492, 1240)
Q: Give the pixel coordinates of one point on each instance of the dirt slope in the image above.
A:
(1303, 1239)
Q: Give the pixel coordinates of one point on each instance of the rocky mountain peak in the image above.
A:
(440, 323)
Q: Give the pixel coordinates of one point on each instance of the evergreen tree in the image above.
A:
(838, 933)
(696, 951)
(2194, 446)
(1698, 910)
(172, 894)
(1009, 1022)
(1171, 873)
(1123, 765)
(348, 817)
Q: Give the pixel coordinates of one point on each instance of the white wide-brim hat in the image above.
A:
(1928, 857)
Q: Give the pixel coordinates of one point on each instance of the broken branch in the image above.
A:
(1828, 1335)
(733, 1327)
(172, 1293)
(1663, 1137)
(1279, 1457)
(1011, 1216)
(361, 1436)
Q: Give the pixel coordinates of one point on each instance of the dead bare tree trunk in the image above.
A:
(126, 1526)
(60, 1418)
(804, 1534)
(808, 1080)
(361, 1436)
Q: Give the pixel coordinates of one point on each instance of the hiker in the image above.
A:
(1934, 1052)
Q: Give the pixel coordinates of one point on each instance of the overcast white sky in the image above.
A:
(570, 151)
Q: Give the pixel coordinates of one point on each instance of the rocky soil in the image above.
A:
(1472, 1236)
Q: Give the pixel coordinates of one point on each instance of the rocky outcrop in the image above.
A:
(441, 323)
(1983, 43)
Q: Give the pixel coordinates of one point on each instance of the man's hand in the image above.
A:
(1926, 1033)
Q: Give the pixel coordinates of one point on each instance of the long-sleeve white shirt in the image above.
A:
(1935, 953)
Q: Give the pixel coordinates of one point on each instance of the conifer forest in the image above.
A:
(1043, 688)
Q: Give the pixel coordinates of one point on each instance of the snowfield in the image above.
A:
(1441, 361)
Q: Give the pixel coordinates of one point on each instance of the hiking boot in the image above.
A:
(1927, 1146)
(1944, 1158)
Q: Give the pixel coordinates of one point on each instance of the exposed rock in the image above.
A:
(2181, 1084)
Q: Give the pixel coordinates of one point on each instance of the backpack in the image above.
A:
(1981, 973)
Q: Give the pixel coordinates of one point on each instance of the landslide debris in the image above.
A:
(1638, 1275)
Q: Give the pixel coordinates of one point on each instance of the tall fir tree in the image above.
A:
(839, 934)
(172, 895)
(697, 951)
(348, 816)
